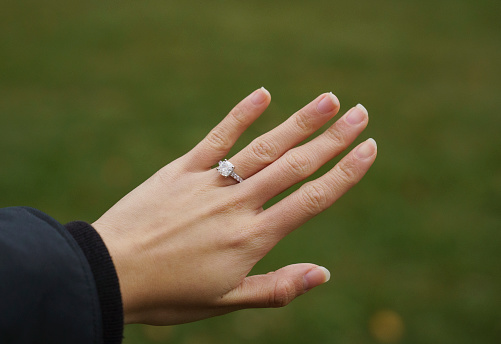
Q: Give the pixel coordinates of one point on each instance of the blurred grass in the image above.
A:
(95, 96)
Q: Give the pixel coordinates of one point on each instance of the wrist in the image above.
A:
(123, 254)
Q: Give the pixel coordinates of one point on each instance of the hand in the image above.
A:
(184, 241)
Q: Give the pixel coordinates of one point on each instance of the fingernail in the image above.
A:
(366, 149)
(259, 96)
(355, 117)
(315, 277)
(328, 103)
(364, 110)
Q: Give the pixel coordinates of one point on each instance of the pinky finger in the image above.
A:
(216, 145)
(317, 195)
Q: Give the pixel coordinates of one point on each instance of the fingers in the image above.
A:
(216, 145)
(302, 161)
(315, 196)
(279, 288)
(269, 147)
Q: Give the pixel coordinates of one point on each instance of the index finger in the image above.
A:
(317, 195)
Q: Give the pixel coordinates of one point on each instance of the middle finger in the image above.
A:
(269, 147)
(300, 162)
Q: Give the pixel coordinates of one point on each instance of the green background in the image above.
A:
(95, 96)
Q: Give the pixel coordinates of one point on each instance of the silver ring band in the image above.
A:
(226, 169)
(236, 177)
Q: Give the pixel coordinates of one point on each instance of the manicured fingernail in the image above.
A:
(366, 149)
(328, 103)
(315, 277)
(259, 96)
(355, 117)
(364, 110)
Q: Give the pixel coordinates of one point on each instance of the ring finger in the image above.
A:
(267, 148)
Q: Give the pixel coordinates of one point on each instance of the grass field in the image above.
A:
(95, 96)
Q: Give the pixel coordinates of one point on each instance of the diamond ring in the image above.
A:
(226, 168)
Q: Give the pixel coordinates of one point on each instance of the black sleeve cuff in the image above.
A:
(106, 279)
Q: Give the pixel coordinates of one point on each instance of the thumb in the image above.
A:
(278, 288)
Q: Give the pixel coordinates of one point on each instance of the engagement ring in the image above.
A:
(226, 169)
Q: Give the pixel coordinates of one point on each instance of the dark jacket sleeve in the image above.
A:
(57, 284)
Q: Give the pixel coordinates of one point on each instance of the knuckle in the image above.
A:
(299, 164)
(303, 121)
(315, 198)
(283, 293)
(264, 150)
(237, 240)
(247, 238)
(228, 205)
(239, 115)
(170, 173)
(346, 174)
(164, 176)
(218, 139)
(236, 203)
(337, 135)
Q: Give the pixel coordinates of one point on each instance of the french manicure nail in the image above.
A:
(328, 103)
(259, 96)
(366, 149)
(315, 277)
(364, 110)
(327, 273)
(355, 117)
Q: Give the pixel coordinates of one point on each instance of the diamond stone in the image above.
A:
(225, 168)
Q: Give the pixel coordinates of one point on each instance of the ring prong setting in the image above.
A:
(225, 168)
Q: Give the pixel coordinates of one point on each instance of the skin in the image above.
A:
(185, 240)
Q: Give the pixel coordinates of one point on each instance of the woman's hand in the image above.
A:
(184, 241)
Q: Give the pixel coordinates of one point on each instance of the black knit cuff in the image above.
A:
(106, 279)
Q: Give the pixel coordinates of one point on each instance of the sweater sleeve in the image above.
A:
(51, 289)
(105, 277)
